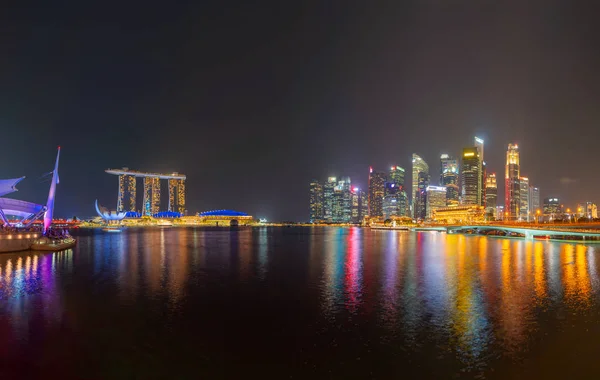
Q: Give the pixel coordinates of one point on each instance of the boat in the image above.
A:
(111, 229)
(53, 244)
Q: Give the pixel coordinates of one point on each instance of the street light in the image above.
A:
(537, 218)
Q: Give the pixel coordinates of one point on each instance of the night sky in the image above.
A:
(253, 99)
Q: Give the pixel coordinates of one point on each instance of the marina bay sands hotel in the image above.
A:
(151, 203)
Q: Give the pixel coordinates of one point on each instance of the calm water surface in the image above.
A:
(300, 303)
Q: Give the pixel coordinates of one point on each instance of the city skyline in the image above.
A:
(268, 102)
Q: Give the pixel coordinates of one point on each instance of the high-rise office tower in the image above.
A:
(483, 179)
(491, 195)
(396, 175)
(512, 188)
(418, 166)
(151, 195)
(395, 203)
(376, 193)
(449, 178)
(552, 208)
(391, 204)
(420, 204)
(436, 198)
(394, 200)
(534, 200)
(342, 201)
(481, 182)
(524, 210)
(360, 208)
(471, 177)
(316, 201)
(328, 192)
(346, 187)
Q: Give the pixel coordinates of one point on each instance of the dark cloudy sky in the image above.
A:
(253, 99)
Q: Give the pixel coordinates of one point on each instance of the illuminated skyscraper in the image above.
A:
(316, 201)
(491, 195)
(396, 175)
(534, 200)
(524, 210)
(436, 198)
(481, 182)
(176, 195)
(471, 177)
(342, 201)
(376, 193)
(328, 192)
(449, 178)
(395, 203)
(181, 196)
(360, 207)
(151, 195)
(512, 188)
(420, 204)
(552, 208)
(126, 197)
(418, 166)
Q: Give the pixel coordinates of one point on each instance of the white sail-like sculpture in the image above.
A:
(51, 194)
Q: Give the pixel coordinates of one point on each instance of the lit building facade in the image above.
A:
(127, 193)
(342, 201)
(449, 178)
(360, 208)
(126, 200)
(459, 214)
(471, 177)
(587, 210)
(499, 212)
(420, 203)
(396, 175)
(395, 202)
(524, 209)
(491, 196)
(151, 195)
(316, 201)
(512, 188)
(552, 208)
(418, 166)
(177, 196)
(591, 210)
(376, 193)
(435, 199)
(328, 192)
(534, 200)
(479, 144)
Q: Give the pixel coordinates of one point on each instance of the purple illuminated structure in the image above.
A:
(51, 194)
(28, 211)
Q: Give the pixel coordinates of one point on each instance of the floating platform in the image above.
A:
(47, 244)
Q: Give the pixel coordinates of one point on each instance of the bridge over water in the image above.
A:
(528, 232)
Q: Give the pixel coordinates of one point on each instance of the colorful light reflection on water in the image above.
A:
(323, 302)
